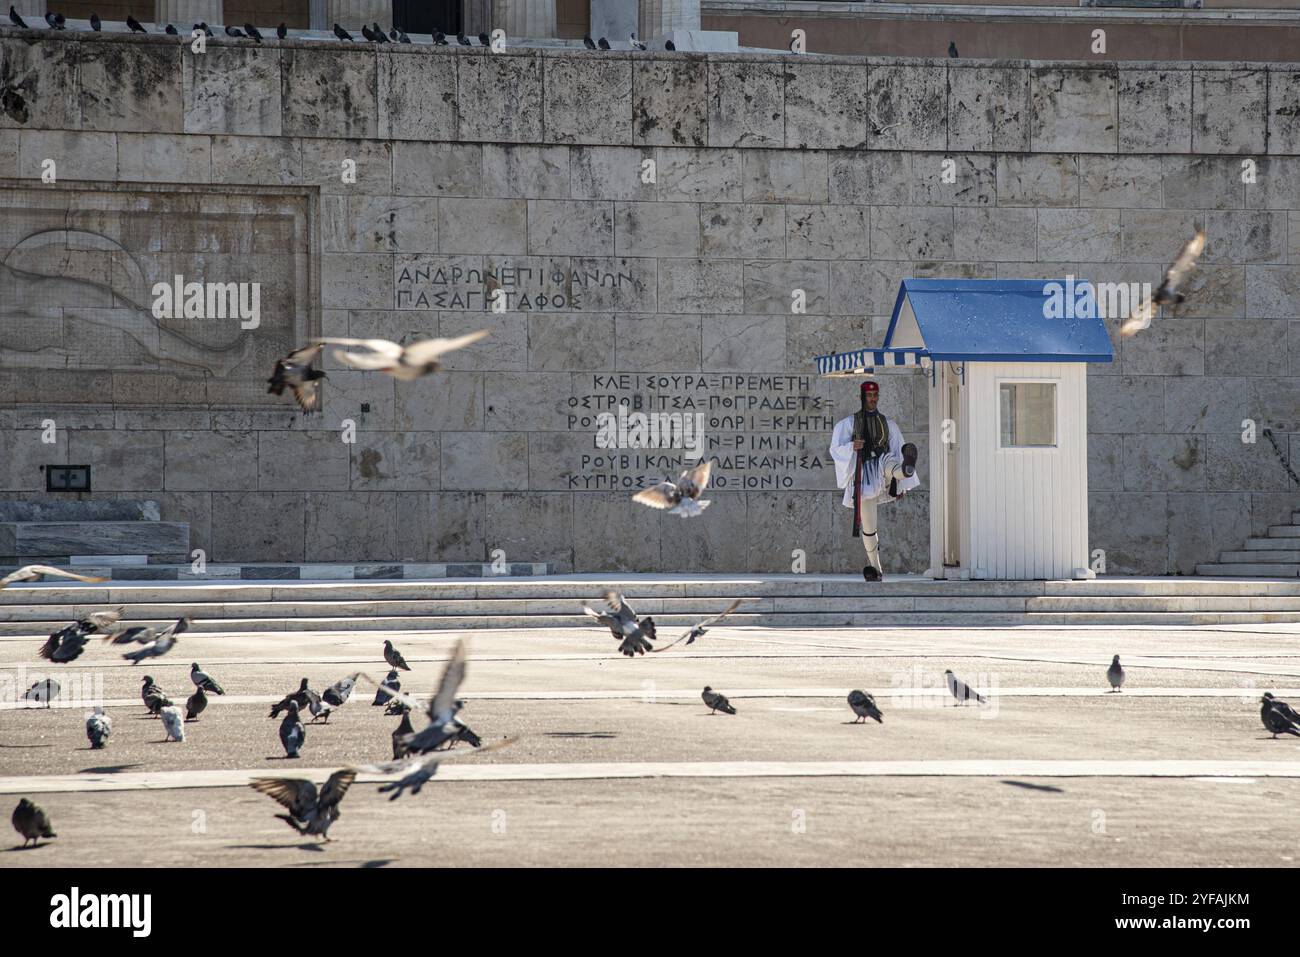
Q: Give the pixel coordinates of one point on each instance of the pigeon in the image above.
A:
(134, 24)
(417, 770)
(253, 32)
(463, 40)
(402, 731)
(154, 646)
(617, 615)
(1282, 708)
(960, 690)
(669, 45)
(29, 820)
(45, 690)
(366, 32)
(95, 23)
(292, 733)
(17, 21)
(296, 372)
(1168, 293)
(398, 705)
(204, 680)
(680, 497)
(152, 696)
(441, 709)
(318, 708)
(173, 723)
(636, 44)
(696, 630)
(310, 812)
(402, 37)
(55, 20)
(952, 49)
(203, 25)
(439, 38)
(716, 702)
(864, 706)
(589, 43)
(233, 31)
(281, 32)
(401, 362)
(381, 694)
(378, 31)
(31, 573)
(98, 727)
(1115, 674)
(483, 40)
(299, 698)
(394, 657)
(337, 694)
(603, 43)
(1276, 721)
(196, 704)
(341, 33)
(100, 622)
(170, 30)
(463, 731)
(64, 645)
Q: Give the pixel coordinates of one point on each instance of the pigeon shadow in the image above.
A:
(309, 846)
(1028, 786)
(26, 847)
(26, 746)
(107, 769)
(581, 734)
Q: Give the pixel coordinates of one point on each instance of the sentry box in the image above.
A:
(1008, 418)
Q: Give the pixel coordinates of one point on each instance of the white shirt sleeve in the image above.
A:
(842, 451)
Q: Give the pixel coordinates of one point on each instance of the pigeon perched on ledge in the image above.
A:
(98, 727)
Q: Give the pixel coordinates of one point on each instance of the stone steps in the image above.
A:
(1251, 569)
(1273, 555)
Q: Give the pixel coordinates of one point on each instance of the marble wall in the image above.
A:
(647, 220)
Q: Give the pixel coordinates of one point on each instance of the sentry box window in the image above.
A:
(1028, 414)
(67, 478)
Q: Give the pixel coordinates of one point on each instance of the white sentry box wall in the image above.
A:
(1022, 512)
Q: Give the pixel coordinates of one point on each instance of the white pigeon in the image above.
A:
(401, 362)
(31, 573)
(680, 497)
(174, 722)
(1167, 294)
(98, 727)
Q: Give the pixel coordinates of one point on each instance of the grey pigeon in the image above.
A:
(588, 42)
(952, 49)
(45, 690)
(441, 709)
(98, 727)
(1168, 294)
(29, 820)
(960, 690)
(439, 38)
(392, 681)
(318, 708)
(603, 43)
(617, 615)
(56, 21)
(300, 697)
(203, 680)
(202, 25)
(134, 25)
(153, 696)
(484, 40)
(309, 812)
(461, 731)
(398, 705)
(95, 23)
(669, 45)
(394, 657)
(636, 44)
(281, 32)
(341, 33)
(1115, 674)
(696, 631)
(173, 723)
(864, 706)
(292, 733)
(295, 372)
(367, 33)
(233, 31)
(17, 21)
(171, 31)
(156, 645)
(402, 731)
(31, 573)
(253, 32)
(681, 497)
(716, 702)
(338, 693)
(463, 40)
(418, 769)
(406, 363)
(1278, 716)
(196, 704)
(100, 622)
(1283, 708)
(64, 645)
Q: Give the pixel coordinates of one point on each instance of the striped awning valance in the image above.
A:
(861, 361)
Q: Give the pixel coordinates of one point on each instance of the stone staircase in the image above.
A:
(772, 601)
(1275, 555)
(97, 531)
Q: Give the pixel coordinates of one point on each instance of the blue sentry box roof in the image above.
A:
(1006, 320)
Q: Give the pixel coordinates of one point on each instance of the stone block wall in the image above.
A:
(648, 219)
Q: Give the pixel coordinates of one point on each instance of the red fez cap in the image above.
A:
(870, 386)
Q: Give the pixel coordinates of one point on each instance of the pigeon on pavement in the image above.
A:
(680, 497)
(716, 702)
(98, 727)
(195, 704)
(403, 730)
(617, 615)
(394, 657)
(401, 362)
(203, 680)
(301, 697)
(292, 733)
(1115, 674)
(29, 820)
(173, 723)
(960, 690)
(153, 696)
(310, 812)
(1278, 716)
(31, 573)
(338, 693)
(441, 709)
(45, 690)
(696, 630)
(391, 682)
(864, 706)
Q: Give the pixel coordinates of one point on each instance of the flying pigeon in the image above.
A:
(17, 21)
(617, 615)
(401, 732)
(45, 690)
(441, 709)
(1275, 720)
(155, 647)
(394, 657)
(1115, 674)
(341, 33)
(401, 362)
(716, 702)
(281, 32)
(134, 24)
(64, 645)
(170, 31)
(31, 573)
(1168, 293)
(233, 31)
(28, 818)
(393, 682)
(337, 694)
(299, 697)
(696, 630)
(310, 812)
(204, 680)
(864, 706)
(952, 49)
(173, 723)
(417, 770)
(55, 20)
(463, 731)
(196, 704)
(253, 32)
(292, 733)
(603, 43)
(960, 690)
(100, 622)
(588, 42)
(98, 727)
(680, 497)
(95, 23)
(296, 372)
